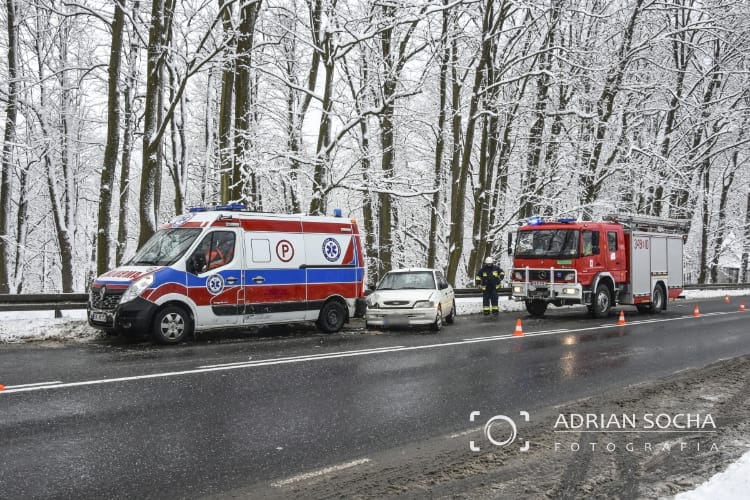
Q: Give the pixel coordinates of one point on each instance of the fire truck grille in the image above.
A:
(106, 303)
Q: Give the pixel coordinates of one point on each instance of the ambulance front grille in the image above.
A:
(108, 302)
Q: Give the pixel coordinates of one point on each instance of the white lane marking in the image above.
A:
(321, 472)
(32, 385)
(306, 356)
(316, 357)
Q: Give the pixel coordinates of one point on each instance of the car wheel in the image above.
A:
(452, 316)
(438, 324)
(602, 302)
(536, 308)
(331, 317)
(171, 325)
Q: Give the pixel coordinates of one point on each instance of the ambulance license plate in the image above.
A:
(99, 317)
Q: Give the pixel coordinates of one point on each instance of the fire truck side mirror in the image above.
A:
(595, 251)
(510, 243)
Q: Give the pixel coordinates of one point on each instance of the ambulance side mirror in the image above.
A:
(510, 243)
(195, 263)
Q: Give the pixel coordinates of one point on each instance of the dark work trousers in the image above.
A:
(489, 300)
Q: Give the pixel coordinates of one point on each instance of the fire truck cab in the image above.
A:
(623, 259)
(220, 267)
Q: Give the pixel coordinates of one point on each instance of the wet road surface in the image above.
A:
(125, 418)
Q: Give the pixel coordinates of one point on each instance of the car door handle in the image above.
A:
(231, 281)
(259, 279)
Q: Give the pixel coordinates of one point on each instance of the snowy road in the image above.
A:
(232, 415)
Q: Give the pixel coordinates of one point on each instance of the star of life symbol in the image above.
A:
(331, 250)
(215, 284)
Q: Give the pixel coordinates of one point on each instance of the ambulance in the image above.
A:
(223, 266)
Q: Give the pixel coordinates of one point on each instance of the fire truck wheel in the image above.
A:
(171, 325)
(452, 316)
(332, 317)
(536, 308)
(602, 302)
(657, 301)
(438, 324)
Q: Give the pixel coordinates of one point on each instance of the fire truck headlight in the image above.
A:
(517, 289)
(569, 291)
(424, 304)
(518, 275)
(137, 288)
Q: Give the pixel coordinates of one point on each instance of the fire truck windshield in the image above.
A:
(165, 247)
(559, 243)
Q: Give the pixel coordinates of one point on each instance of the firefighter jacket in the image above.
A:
(490, 276)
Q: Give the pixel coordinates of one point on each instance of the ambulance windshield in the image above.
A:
(551, 243)
(165, 247)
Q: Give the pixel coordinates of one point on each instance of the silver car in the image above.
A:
(415, 296)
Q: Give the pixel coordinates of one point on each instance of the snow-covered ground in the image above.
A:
(29, 326)
(733, 483)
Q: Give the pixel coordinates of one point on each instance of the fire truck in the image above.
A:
(624, 259)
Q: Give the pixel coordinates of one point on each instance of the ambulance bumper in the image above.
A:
(131, 317)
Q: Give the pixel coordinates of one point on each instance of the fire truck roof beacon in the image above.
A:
(337, 212)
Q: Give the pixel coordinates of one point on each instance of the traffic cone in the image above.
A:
(519, 330)
(621, 319)
(742, 307)
(696, 311)
(726, 298)
(2, 387)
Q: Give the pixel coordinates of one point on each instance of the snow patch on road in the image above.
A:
(732, 483)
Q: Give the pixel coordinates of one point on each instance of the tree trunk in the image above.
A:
(107, 178)
(127, 144)
(11, 114)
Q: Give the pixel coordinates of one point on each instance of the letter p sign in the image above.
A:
(284, 250)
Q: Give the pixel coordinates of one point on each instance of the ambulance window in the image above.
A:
(612, 241)
(216, 250)
(261, 250)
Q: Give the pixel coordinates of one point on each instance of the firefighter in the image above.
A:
(489, 279)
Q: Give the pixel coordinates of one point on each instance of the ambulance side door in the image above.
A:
(215, 282)
(275, 288)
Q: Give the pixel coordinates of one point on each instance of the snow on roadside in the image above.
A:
(26, 326)
(730, 484)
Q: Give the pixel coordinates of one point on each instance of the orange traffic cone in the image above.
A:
(726, 298)
(2, 387)
(519, 330)
(621, 319)
(742, 307)
(696, 311)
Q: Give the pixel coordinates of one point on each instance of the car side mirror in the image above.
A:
(595, 251)
(510, 243)
(195, 264)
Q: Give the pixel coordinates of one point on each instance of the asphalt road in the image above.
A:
(124, 418)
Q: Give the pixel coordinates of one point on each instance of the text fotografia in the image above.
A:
(631, 422)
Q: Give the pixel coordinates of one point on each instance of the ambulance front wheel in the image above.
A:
(332, 317)
(171, 325)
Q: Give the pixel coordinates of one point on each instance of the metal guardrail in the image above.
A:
(64, 301)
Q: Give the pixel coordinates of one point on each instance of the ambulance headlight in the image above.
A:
(137, 288)
(424, 304)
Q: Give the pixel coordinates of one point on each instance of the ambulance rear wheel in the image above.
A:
(332, 317)
(536, 308)
(602, 302)
(171, 325)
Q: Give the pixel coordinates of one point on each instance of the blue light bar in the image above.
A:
(535, 221)
(566, 220)
(197, 209)
(232, 207)
(337, 212)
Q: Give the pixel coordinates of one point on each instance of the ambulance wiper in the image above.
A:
(145, 263)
